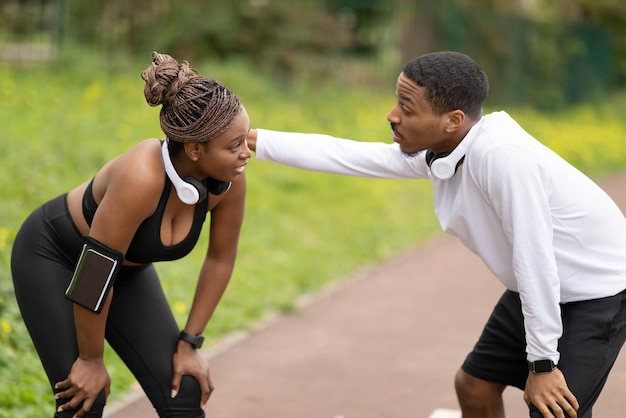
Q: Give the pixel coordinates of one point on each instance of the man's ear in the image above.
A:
(455, 120)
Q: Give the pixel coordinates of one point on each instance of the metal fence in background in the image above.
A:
(30, 30)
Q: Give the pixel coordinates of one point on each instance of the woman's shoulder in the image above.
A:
(141, 157)
(148, 147)
(140, 167)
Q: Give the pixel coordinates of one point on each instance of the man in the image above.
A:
(553, 238)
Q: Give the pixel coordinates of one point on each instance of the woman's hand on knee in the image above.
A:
(86, 380)
(187, 361)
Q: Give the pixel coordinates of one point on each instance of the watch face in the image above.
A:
(543, 366)
(199, 341)
(195, 340)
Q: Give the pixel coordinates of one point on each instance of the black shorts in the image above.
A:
(593, 334)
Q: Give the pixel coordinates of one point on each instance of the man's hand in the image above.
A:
(550, 395)
(85, 381)
(187, 361)
(251, 139)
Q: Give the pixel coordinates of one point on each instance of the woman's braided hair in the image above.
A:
(194, 108)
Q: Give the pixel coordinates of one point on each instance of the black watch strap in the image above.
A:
(541, 366)
(195, 340)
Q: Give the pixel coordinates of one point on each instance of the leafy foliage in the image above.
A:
(273, 35)
(571, 51)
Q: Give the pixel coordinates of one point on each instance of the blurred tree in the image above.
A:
(362, 19)
(608, 14)
(307, 38)
(274, 34)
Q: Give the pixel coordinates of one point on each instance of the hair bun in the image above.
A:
(164, 78)
(194, 108)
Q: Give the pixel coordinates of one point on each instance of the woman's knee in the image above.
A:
(96, 410)
(186, 404)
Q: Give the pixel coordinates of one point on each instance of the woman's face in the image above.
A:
(225, 156)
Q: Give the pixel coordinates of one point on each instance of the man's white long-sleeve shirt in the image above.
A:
(541, 226)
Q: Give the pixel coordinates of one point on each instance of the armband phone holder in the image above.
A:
(94, 275)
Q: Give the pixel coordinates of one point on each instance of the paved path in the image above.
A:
(384, 343)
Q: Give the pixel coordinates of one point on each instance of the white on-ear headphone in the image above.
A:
(444, 165)
(190, 191)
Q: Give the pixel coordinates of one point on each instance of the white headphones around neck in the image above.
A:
(190, 190)
(444, 165)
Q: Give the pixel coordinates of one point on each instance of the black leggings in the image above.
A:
(140, 325)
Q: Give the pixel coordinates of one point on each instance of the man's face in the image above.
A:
(415, 126)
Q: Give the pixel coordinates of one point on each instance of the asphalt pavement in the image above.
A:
(384, 342)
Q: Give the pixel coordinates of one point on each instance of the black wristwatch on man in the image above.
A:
(541, 366)
(194, 340)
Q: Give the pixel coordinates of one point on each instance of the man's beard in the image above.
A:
(406, 154)
(410, 154)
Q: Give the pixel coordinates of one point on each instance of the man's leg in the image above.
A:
(593, 334)
(478, 398)
(498, 360)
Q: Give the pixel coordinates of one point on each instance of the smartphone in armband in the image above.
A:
(93, 278)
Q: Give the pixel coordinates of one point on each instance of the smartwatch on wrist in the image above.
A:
(194, 340)
(541, 366)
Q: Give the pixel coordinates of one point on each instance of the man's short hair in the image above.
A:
(451, 81)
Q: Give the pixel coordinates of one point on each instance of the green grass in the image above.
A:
(302, 230)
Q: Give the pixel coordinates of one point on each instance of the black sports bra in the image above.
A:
(146, 245)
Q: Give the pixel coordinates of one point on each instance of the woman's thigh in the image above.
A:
(41, 274)
(142, 330)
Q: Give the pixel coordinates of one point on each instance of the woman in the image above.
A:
(82, 263)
